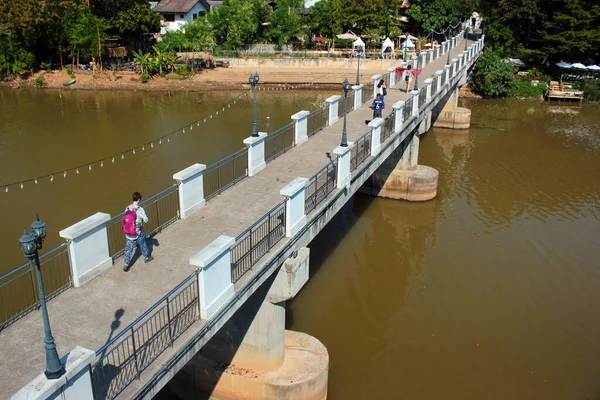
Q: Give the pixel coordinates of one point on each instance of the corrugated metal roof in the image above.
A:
(175, 6)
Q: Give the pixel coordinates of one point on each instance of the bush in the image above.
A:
(70, 72)
(39, 82)
(46, 66)
(144, 77)
(524, 89)
(492, 77)
(183, 70)
(591, 90)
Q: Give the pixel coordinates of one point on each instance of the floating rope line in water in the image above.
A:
(134, 150)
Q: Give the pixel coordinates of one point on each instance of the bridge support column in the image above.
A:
(375, 79)
(343, 165)
(256, 153)
(375, 126)
(358, 89)
(295, 218)
(89, 254)
(392, 77)
(398, 115)
(191, 189)
(300, 127)
(334, 104)
(400, 177)
(75, 384)
(253, 356)
(450, 115)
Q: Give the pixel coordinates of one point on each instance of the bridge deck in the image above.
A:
(86, 316)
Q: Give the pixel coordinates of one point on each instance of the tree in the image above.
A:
(235, 23)
(492, 77)
(438, 14)
(285, 22)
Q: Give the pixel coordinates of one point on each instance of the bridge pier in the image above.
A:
(253, 356)
(452, 116)
(400, 176)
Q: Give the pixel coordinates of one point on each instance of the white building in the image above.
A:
(177, 12)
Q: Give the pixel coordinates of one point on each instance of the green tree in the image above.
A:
(286, 22)
(428, 14)
(492, 77)
(235, 23)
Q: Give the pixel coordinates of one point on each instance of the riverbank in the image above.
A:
(233, 78)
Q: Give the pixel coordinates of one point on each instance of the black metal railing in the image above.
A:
(123, 358)
(279, 141)
(387, 128)
(360, 150)
(317, 120)
(407, 110)
(162, 209)
(19, 292)
(224, 173)
(319, 186)
(434, 86)
(367, 93)
(444, 77)
(257, 240)
(422, 97)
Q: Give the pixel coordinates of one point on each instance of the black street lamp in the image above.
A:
(359, 48)
(466, 37)
(253, 82)
(417, 70)
(346, 86)
(30, 243)
(405, 47)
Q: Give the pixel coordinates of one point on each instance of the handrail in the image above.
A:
(29, 263)
(238, 237)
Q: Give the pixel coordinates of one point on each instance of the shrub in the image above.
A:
(70, 72)
(39, 82)
(524, 89)
(144, 77)
(183, 70)
(492, 77)
(46, 66)
(591, 90)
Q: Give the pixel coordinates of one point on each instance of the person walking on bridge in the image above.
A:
(378, 105)
(133, 220)
(407, 76)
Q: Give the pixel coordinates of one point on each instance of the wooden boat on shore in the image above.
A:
(69, 82)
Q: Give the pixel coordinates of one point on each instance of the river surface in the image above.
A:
(487, 292)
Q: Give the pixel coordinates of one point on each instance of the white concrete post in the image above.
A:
(428, 83)
(375, 79)
(453, 65)
(404, 64)
(295, 219)
(398, 110)
(191, 189)
(465, 56)
(447, 72)
(334, 104)
(357, 97)
(414, 62)
(375, 126)
(300, 127)
(482, 40)
(461, 62)
(413, 158)
(75, 384)
(343, 165)
(415, 102)
(214, 275)
(430, 54)
(256, 153)
(392, 78)
(423, 59)
(87, 242)
(438, 77)
(444, 45)
(437, 51)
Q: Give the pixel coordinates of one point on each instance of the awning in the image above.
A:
(578, 66)
(359, 42)
(407, 44)
(348, 35)
(387, 44)
(563, 64)
(593, 68)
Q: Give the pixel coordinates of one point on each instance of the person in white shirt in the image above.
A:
(135, 235)
(407, 76)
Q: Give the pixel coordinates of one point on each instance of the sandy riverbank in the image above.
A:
(208, 80)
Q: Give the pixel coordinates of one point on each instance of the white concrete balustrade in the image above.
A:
(428, 83)
(375, 126)
(87, 242)
(447, 72)
(343, 165)
(375, 79)
(300, 127)
(398, 117)
(295, 218)
(358, 89)
(214, 275)
(334, 104)
(190, 182)
(415, 102)
(392, 77)
(438, 78)
(256, 153)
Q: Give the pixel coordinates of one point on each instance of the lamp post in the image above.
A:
(30, 243)
(417, 70)
(253, 82)
(360, 50)
(405, 47)
(466, 37)
(346, 86)
(448, 45)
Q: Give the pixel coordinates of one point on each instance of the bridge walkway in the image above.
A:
(91, 315)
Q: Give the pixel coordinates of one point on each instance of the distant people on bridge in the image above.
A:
(382, 89)
(133, 220)
(377, 106)
(407, 76)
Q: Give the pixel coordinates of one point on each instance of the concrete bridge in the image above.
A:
(212, 303)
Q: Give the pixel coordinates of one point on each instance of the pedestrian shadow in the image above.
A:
(106, 372)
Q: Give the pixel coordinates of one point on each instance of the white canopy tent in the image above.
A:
(358, 42)
(578, 66)
(387, 44)
(348, 35)
(408, 44)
